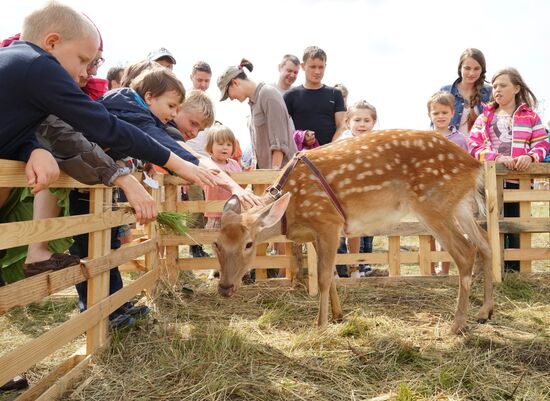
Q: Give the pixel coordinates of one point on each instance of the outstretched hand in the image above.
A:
(41, 170)
(248, 198)
(142, 202)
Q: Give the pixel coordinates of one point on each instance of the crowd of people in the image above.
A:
(57, 114)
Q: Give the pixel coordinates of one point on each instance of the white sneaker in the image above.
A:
(355, 274)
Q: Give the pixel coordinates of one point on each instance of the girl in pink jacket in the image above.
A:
(509, 131)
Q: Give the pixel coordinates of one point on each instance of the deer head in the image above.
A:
(240, 233)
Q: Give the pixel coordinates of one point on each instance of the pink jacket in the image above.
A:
(528, 135)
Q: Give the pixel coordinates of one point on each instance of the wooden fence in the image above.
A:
(145, 254)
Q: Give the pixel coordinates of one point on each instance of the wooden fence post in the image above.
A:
(493, 213)
(525, 238)
(394, 259)
(261, 274)
(99, 244)
(171, 255)
(425, 255)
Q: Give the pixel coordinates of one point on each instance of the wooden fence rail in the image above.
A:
(145, 253)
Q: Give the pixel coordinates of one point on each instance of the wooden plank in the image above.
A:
(12, 175)
(151, 261)
(527, 254)
(98, 286)
(534, 169)
(199, 206)
(525, 211)
(28, 232)
(524, 224)
(493, 213)
(201, 236)
(396, 281)
(249, 177)
(49, 380)
(27, 355)
(312, 272)
(35, 288)
(518, 195)
(394, 260)
(65, 382)
(171, 257)
(424, 255)
(260, 263)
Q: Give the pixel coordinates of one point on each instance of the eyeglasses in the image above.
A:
(96, 63)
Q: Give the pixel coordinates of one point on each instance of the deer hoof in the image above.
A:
(459, 328)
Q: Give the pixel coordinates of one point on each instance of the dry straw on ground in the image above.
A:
(392, 345)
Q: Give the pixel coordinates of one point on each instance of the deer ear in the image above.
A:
(233, 204)
(275, 211)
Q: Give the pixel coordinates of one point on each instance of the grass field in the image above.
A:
(263, 345)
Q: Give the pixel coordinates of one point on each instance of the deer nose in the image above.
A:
(226, 290)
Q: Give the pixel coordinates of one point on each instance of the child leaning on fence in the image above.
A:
(510, 132)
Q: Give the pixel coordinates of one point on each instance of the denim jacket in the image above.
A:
(459, 100)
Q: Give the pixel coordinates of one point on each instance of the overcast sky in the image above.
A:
(394, 54)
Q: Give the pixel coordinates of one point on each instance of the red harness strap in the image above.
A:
(275, 191)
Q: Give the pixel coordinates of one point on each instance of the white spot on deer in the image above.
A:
(435, 172)
(441, 157)
(450, 156)
(428, 170)
(292, 182)
(351, 167)
(431, 161)
(364, 147)
(374, 154)
(435, 139)
(397, 161)
(447, 177)
(417, 164)
(358, 152)
(303, 191)
(379, 171)
(455, 170)
(406, 143)
(359, 161)
(389, 167)
(395, 142)
(307, 203)
(421, 187)
(430, 145)
(387, 145)
(421, 198)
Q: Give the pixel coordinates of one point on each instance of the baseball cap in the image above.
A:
(160, 53)
(225, 79)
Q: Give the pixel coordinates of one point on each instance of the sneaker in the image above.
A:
(198, 252)
(121, 322)
(365, 270)
(56, 262)
(17, 383)
(137, 311)
(355, 274)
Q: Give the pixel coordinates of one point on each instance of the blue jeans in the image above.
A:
(79, 204)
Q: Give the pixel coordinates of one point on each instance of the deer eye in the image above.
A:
(249, 245)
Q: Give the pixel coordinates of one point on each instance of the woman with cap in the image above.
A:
(271, 128)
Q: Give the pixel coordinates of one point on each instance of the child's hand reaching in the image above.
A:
(41, 170)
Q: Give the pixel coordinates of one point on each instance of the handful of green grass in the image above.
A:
(174, 222)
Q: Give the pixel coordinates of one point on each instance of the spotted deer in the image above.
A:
(356, 186)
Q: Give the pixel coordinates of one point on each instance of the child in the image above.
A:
(59, 43)
(441, 112)
(220, 144)
(360, 119)
(509, 132)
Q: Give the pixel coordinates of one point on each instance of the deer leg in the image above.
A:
(483, 260)
(326, 253)
(296, 273)
(462, 251)
(335, 302)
